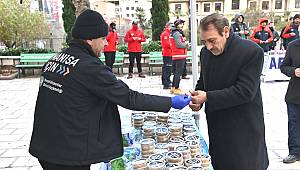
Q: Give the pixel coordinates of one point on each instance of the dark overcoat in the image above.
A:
(290, 63)
(234, 108)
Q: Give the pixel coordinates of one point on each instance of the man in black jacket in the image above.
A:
(239, 27)
(291, 68)
(76, 120)
(229, 84)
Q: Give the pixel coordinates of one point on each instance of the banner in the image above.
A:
(271, 69)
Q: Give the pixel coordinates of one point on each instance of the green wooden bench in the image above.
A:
(189, 58)
(32, 61)
(155, 60)
(119, 60)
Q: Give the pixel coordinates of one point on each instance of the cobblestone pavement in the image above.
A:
(17, 101)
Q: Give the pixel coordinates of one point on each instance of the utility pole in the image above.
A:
(194, 51)
(194, 41)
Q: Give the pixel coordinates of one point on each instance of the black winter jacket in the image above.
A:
(76, 120)
(237, 26)
(290, 62)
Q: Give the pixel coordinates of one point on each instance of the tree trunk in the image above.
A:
(81, 5)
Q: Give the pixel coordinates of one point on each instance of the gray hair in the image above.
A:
(217, 20)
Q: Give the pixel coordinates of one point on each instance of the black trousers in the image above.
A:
(184, 71)
(110, 58)
(137, 56)
(179, 66)
(51, 166)
(166, 71)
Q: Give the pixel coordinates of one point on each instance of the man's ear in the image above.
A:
(89, 42)
(226, 31)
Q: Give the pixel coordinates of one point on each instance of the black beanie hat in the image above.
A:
(89, 25)
(112, 25)
(296, 16)
(178, 21)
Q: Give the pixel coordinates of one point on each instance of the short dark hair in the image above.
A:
(217, 20)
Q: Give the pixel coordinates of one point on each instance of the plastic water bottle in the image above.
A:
(105, 166)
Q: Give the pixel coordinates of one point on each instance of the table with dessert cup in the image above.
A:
(165, 141)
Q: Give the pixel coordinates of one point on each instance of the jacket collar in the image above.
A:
(229, 40)
(83, 45)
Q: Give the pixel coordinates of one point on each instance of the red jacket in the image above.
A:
(165, 43)
(288, 30)
(112, 39)
(134, 45)
(257, 37)
(178, 53)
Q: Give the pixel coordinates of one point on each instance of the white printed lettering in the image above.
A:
(70, 59)
(74, 62)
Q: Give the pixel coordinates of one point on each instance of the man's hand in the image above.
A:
(195, 107)
(198, 98)
(292, 34)
(242, 32)
(297, 72)
(134, 38)
(246, 32)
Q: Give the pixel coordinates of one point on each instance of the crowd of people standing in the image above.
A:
(174, 45)
(265, 34)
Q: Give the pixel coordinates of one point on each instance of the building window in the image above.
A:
(132, 15)
(132, 8)
(177, 8)
(206, 7)
(265, 5)
(127, 15)
(127, 8)
(197, 7)
(278, 4)
(235, 4)
(252, 5)
(136, 1)
(218, 6)
(297, 3)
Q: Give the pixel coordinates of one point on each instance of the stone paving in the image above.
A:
(17, 101)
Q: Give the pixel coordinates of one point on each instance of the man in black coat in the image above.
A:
(229, 84)
(76, 120)
(291, 68)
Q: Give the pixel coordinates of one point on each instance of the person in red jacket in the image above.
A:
(167, 56)
(110, 50)
(179, 54)
(262, 35)
(291, 32)
(134, 37)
